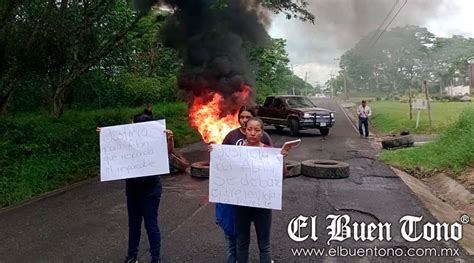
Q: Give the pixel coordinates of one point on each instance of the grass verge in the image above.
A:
(452, 152)
(39, 154)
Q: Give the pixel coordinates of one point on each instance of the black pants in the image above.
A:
(146, 208)
(262, 219)
(365, 123)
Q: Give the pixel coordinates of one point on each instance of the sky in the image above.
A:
(340, 24)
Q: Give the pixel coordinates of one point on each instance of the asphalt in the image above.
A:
(88, 223)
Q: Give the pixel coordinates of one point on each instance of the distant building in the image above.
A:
(453, 91)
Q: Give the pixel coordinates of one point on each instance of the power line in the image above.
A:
(398, 12)
(383, 22)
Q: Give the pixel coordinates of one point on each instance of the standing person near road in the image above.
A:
(364, 112)
(143, 201)
(225, 212)
(261, 217)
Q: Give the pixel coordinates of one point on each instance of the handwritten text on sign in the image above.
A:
(246, 176)
(133, 150)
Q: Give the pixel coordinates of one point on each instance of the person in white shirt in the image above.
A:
(364, 112)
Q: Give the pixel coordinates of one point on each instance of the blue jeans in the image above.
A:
(364, 123)
(231, 249)
(262, 219)
(146, 208)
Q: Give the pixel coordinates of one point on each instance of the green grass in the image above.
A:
(391, 117)
(452, 152)
(39, 154)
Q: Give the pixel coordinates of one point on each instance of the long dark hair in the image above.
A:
(249, 109)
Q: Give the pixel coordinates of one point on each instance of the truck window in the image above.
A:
(268, 102)
(278, 103)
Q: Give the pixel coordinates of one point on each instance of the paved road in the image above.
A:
(88, 223)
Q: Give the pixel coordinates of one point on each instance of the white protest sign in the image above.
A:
(133, 150)
(246, 176)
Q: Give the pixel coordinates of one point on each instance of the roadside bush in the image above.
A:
(31, 94)
(404, 99)
(39, 154)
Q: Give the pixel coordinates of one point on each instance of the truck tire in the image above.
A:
(279, 128)
(293, 168)
(324, 132)
(327, 169)
(294, 126)
(398, 142)
(200, 169)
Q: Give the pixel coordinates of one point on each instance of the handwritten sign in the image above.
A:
(246, 176)
(133, 150)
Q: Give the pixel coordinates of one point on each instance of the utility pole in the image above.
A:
(440, 90)
(306, 81)
(427, 101)
(410, 101)
(345, 83)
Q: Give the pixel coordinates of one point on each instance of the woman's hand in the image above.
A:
(169, 134)
(285, 150)
(97, 130)
(169, 139)
(209, 146)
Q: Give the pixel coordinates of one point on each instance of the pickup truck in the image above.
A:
(296, 113)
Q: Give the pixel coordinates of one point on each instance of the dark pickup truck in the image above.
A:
(296, 113)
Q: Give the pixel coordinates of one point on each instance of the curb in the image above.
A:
(67, 188)
(441, 210)
(49, 194)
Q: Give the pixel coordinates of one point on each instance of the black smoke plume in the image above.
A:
(210, 36)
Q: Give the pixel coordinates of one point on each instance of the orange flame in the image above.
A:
(208, 119)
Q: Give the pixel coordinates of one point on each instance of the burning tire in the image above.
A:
(293, 168)
(178, 161)
(200, 169)
(398, 142)
(328, 169)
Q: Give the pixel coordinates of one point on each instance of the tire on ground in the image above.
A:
(178, 161)
(328, 169)
(200, 169)
(293, 168)
(398, 142)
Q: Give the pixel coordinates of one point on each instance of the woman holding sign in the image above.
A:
(261, 217)
(143, 200)
(225, 212)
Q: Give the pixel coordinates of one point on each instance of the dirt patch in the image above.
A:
(451, 192)
(467, 180)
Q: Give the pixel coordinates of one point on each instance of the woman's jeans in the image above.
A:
(231, 249)
(262, 219)
(145, 207)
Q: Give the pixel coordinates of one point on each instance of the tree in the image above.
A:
(400, 58)
(60, 40)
